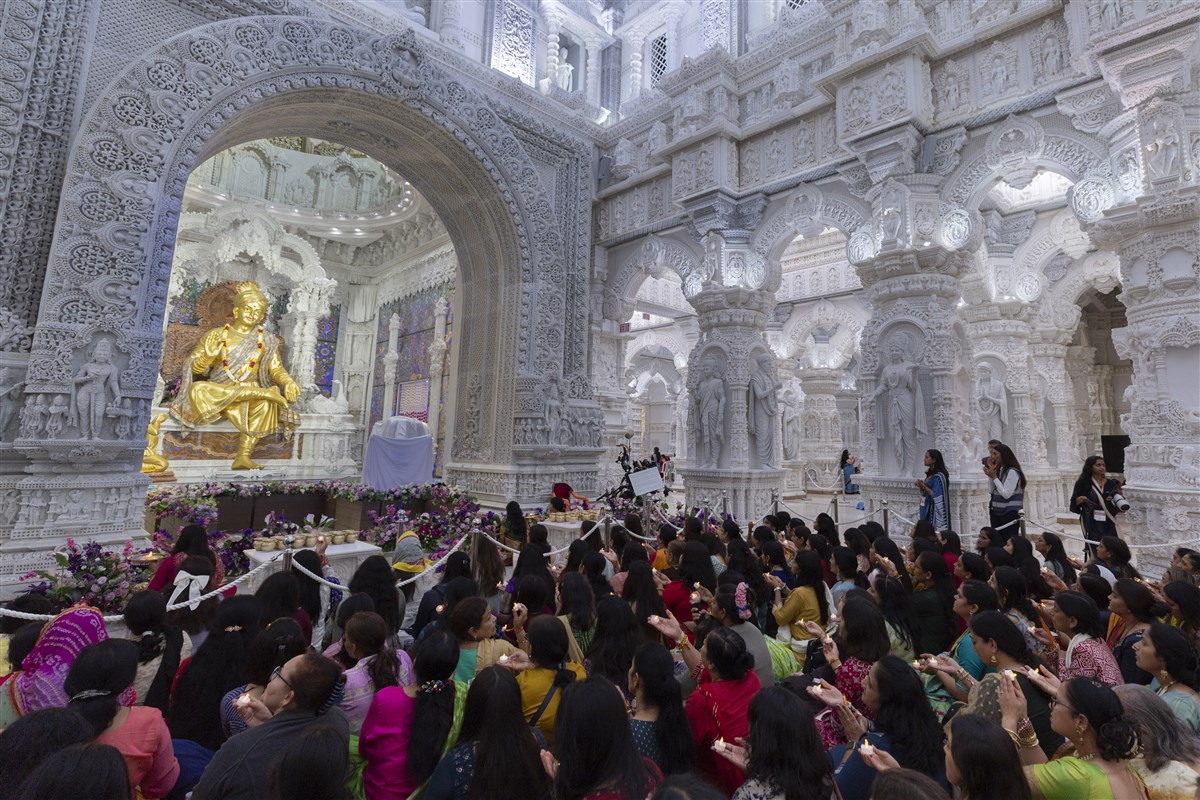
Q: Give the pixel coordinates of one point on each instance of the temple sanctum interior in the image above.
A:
(793, 246)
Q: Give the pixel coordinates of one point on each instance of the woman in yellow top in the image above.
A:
(1090, 715)
(808, 601)
(544, 673)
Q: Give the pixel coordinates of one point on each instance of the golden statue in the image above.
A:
(152, 462)
(244, 374)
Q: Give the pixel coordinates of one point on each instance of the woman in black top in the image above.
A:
(1092, 499)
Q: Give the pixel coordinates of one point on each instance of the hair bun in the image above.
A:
(1117, 739)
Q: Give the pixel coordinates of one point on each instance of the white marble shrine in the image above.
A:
(751, 233)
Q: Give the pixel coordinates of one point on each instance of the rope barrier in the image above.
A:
(5, 612)
(296, 565)
(435, 564)
(1077, 538)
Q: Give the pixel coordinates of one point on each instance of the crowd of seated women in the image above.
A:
(779, 662)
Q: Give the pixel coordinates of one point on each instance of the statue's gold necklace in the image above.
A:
(248, 369)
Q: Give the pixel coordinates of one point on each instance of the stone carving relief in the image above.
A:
(792, 424)
(15, 335)
(899, 403)
(991, 402)
(1162, 145)
(708, 412)
(653, 258)
(764, 408)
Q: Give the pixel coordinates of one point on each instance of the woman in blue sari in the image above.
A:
(935, 491)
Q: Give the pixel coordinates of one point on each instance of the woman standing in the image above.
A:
(1007, 484)
(1104, 738)
(659, 724)
(934, 489)
(1092, 500)
(1168, 654)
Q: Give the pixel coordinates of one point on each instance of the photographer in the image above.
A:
(1096, 500)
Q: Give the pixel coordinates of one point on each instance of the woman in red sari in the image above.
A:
(719, 709)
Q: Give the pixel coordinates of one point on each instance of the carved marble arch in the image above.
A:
(246, 229)
(232, 81)
(849, 317)
(654, 258)
(652, 340)
(806, 210)
(1060, 308)
(1017, 147)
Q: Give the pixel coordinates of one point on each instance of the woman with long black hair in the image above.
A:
(904, 726)
(893, 601)
(618, 636)
(783, 758)
(1092, 499)
(807, 601)
(399, 760)
(932, 604)
(659, 725)
(496, 757)
(548, 673)
(1054, 554)
(161, 648)
(934, 489)
(594, 752)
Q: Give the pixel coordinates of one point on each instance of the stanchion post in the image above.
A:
(775, 502)
(886, 529)
(288, 542)
(724, 504)
(645, 518)
(835, 507)
(1021, 516)
(608, 532)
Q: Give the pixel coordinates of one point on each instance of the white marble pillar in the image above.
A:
(448, 28)
(437, 364)
(591, 85)
(635, 66)
(822, 446)
(390, 359)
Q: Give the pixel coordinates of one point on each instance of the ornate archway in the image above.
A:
(242, 79)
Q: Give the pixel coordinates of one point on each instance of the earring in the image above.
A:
(995, 659)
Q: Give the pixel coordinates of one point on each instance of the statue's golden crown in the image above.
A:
(249, 290)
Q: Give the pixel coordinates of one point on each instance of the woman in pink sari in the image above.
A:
(39, 682)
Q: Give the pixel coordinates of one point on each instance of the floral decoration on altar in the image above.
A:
(92, 576)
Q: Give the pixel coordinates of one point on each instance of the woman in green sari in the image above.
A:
(1103, 738)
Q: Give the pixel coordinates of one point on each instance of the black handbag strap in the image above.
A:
(545, 702)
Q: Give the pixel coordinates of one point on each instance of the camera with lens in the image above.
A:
(1120, 502)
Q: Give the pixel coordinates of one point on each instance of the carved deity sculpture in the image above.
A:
(565, 68)
(236, 372)
(792, 425)
(992, 402)
(10, 399)
(1164, 149)
(710, 413)
(900, 406)
(764, 408)
(554, 415)
(152, 462)
(89, 395)
(55, 416)
(891, 216)
(77, 508)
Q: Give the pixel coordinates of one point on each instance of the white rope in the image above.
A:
(500, 544)
(296, 565)
(435, 564)
(5, 612)
(1131, 546)
(1016, 521)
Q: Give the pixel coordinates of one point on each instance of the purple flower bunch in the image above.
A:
(91, 575)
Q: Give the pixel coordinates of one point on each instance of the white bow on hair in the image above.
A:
(195, 585)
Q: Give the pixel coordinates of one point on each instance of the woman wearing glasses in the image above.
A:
(1090, 715)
